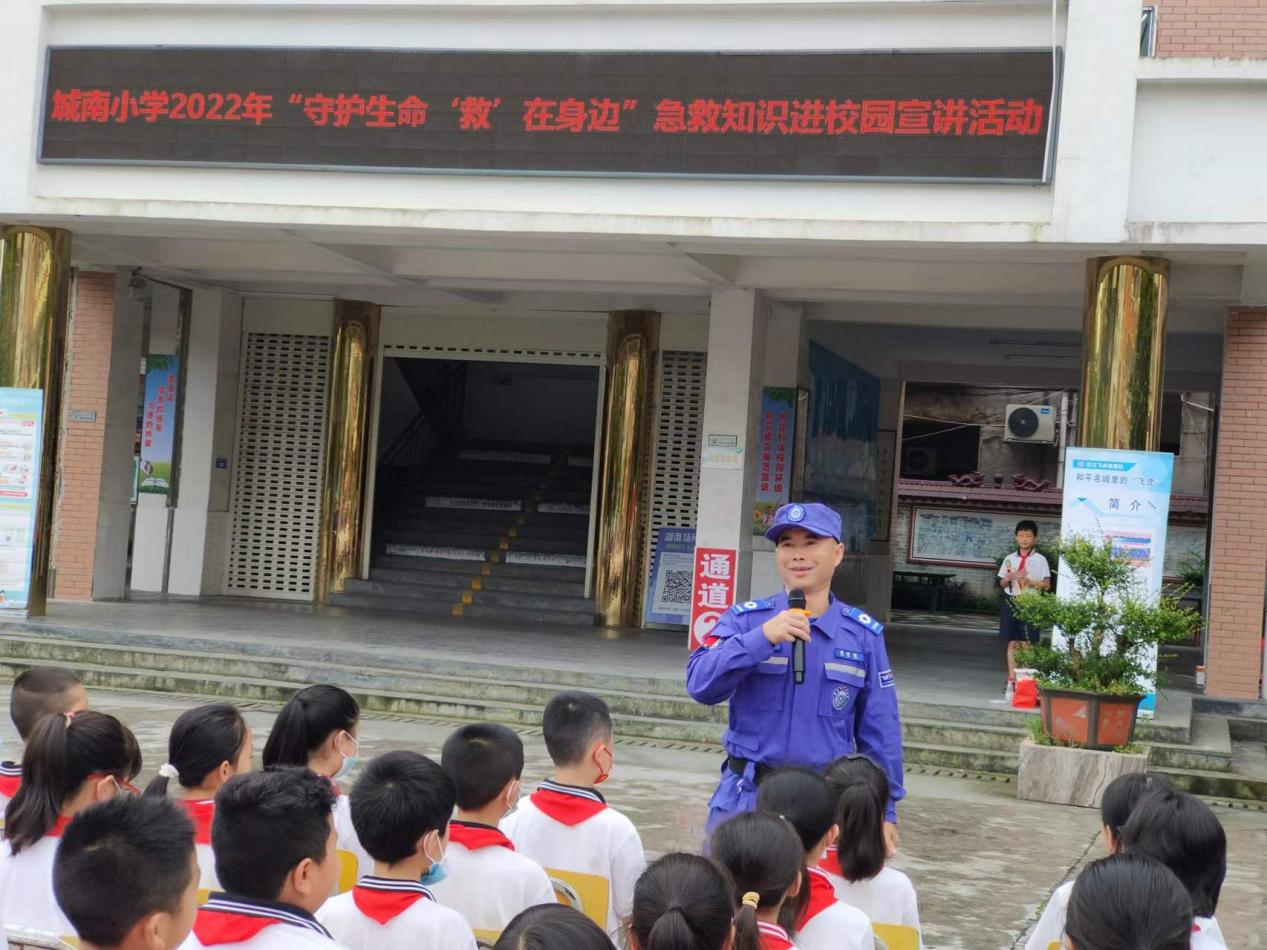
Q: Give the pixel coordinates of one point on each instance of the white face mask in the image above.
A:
(349, 761)
(512, 799)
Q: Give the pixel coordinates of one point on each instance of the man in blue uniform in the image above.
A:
(847, 702)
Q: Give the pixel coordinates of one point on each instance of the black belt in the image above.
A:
(739, 766)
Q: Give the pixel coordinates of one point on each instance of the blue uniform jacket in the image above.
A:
(847, 703)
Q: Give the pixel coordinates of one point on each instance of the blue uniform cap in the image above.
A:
(814, 517)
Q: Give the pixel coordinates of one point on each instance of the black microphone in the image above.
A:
(796, 601)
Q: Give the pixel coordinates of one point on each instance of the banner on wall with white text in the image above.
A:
(1111, 493)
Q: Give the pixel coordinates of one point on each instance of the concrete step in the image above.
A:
(493, 614)
(482, 541)
(933, 732)
(1210, 748)
(542, 572)
(530, 601)
(960, 757)
(1001, 715)
(456, 581)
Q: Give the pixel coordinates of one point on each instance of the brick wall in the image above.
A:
(1238, 575)
(88, 347)
(1235, 29)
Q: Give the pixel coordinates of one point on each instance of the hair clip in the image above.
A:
(167, 770)
(751, 899)
(70, 716)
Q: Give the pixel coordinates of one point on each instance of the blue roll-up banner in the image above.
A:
(1110, 493)
(672, 573)
(21, 424)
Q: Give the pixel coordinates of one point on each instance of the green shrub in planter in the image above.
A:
(1109, 623)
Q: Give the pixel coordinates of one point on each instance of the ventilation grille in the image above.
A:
(679, 422)
(504, 354)
(277, 478)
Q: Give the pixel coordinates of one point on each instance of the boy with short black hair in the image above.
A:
(400, 808)
(274, 840)
(566, 825)
(126, 875)
(488, 882)
(36, 693)
(1182, 832)
(1026, 569)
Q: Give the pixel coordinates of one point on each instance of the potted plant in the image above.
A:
(1091, 689)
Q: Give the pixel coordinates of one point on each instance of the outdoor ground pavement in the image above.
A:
(983, 863)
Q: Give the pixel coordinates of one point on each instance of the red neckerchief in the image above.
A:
(473, 836)
(10, 778)
(822, 894)
(773, 937)
(59, 826)
(382, 899)
(568, 804)
(200, 813)
(229, 919)
(831, 863)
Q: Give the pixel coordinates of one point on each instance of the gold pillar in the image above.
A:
(34, 297)
(1123, 352)
(343, 505)
(633, 337)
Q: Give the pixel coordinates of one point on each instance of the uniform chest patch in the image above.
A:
(840, 697)
(849, 655)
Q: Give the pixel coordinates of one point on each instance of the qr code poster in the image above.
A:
(672, 573)
(713, 590)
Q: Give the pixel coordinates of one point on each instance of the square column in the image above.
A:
(785, 364)
(200, 522)
(1237, 572)
(732, 403)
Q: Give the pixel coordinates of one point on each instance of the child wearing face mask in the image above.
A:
(566, 825)
(71, 761)
(483, 877)
(317, 729)
(400, 808)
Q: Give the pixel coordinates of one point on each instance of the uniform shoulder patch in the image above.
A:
(858, 615)
(749, 606)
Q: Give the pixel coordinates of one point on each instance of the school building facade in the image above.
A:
(465, 309)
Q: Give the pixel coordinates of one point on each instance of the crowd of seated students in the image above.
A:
(450, 855)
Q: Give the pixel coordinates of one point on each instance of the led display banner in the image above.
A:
(982, 115)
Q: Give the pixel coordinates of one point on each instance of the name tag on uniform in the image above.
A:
(849, 655)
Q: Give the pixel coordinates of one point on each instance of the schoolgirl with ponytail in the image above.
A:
(857, 867)
(71, 761)
(208, 746)
(816, 918)
(683, 902)
(317, 728)
(764, 858)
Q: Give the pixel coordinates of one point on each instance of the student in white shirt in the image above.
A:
(207, 747)
(1025, 569)
(767, 863)
(683, 902)
(400, 807)
(275, 846)
(1127, 901)
(38, 692)
(486, 880)
(1181, 832)
(1116, 804)
(70, 762)
(126, 875)
(566, 825)
(318, 728)
(816, 918)
(856, 865)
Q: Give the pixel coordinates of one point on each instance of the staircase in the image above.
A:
(490, 532)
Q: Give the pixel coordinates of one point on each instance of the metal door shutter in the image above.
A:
(276, 508)
(674, 493)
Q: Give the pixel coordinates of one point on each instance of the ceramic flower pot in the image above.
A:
(1090, 720)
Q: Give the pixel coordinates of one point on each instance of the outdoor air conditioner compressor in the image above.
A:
(1030, 424)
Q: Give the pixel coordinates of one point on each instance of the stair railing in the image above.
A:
(405, 464)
